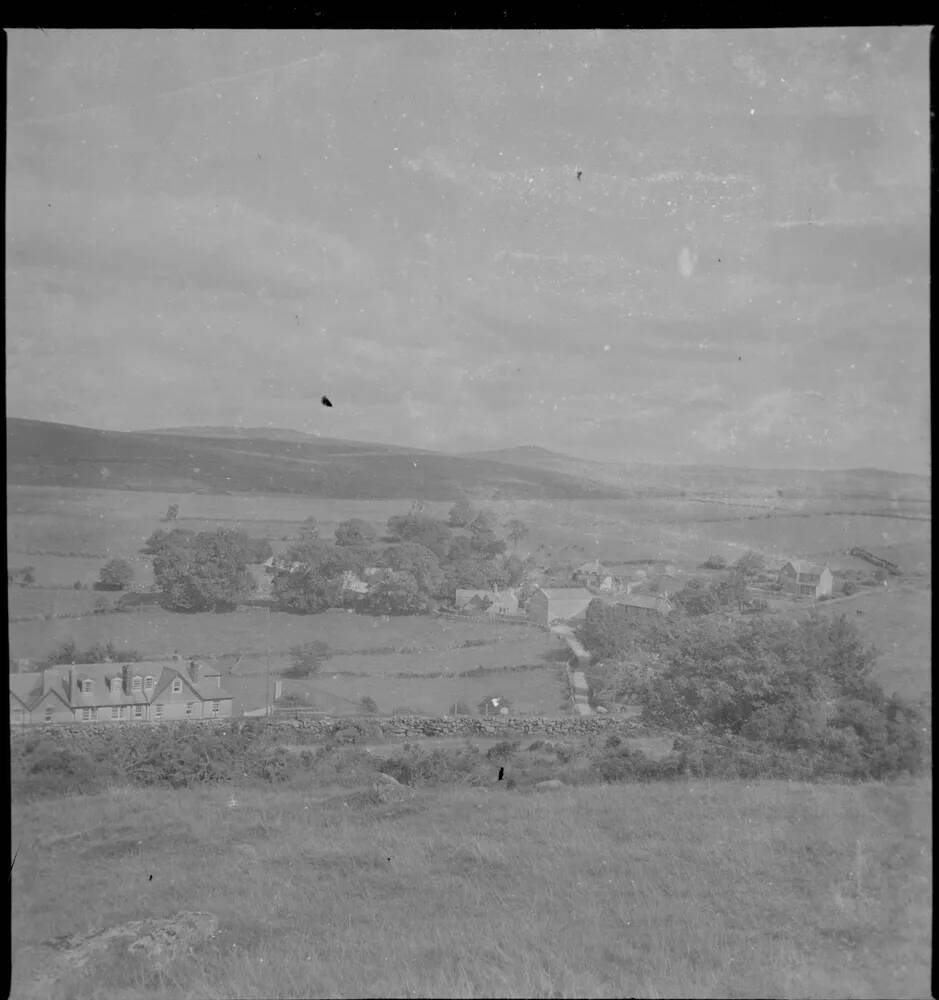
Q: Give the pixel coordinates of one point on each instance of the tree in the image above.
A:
(417, 527)
(461, 513)
(259, 550)
(368, 704)
(750, 563)
(396, 593)
(118, 574)
(514, 569)
(416, 560)
(516, 531)
(172, 512)
(178, 537)
(305, 591)
(355, 532)
(697, 597)
(460, 549)
(309, 529)
(208, 572)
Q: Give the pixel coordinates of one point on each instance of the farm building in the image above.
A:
(806, 579)
(107, 692)
(492, 602)
(552, 604)
(640, 607)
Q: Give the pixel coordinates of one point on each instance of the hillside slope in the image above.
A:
(41, 453)
(644, 477)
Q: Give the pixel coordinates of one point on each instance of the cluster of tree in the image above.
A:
(426, 561)
(204, 571)
(799, 686)
(67, 652)
(703, 597)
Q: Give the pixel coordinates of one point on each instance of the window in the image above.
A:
(89, 714)
(87, 685)
(159, 711)
(189, 707)
(149, 683)
(177, 686)
(138, 711)
(115, 711)
(49, 713)
(19, 715)
(215, 707)
(136, 683)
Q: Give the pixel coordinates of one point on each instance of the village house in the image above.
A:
(490, 602)
(806, 579)
(596, 576)
(644, 607)
(551, 604)
(153, 691)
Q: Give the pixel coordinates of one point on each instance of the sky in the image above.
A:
(660, 246)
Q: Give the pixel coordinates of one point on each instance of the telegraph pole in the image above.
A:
(267, 660)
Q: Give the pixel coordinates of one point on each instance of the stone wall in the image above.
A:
(318, 729)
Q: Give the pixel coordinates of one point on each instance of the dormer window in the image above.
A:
(149, 683)
(136, 683)
(177, 686)
(87, 686)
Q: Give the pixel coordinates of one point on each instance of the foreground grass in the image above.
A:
(685, 889)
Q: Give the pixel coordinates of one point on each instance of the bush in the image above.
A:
(77, 585)
(118, 574)
(502, 750)
(714, 562)
(368, 704)
(625, 764)
(849, 588)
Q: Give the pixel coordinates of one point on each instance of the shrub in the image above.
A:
(714, 562)
(369, 704)
(77, 585)
(849, 588)
(118, 574)
(502, 750)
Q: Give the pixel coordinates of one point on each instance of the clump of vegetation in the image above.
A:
(67, 652)
(118, 574)
(306, 659)
(368, 704)
(714, 562)
(24, 576)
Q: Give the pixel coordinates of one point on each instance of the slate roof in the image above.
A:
(566, 593)
(648, 601)
(804, 566)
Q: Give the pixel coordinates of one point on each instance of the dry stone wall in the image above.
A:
(319, 729)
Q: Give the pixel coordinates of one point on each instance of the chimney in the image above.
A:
(72, 684)
(195, 671)
(125, 675)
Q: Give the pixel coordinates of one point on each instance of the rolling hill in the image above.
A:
(203, 460)
(639, 478)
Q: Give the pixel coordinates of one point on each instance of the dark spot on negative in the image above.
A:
(325, 401)
(501, 772)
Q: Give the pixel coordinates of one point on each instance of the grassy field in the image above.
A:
(898, 621)
(684, 889)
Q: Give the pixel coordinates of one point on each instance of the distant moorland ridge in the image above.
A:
(281, 460)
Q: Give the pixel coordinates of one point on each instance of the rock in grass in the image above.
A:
(551, 785)
(156, 941)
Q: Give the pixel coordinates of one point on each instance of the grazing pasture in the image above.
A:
(678, 889)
